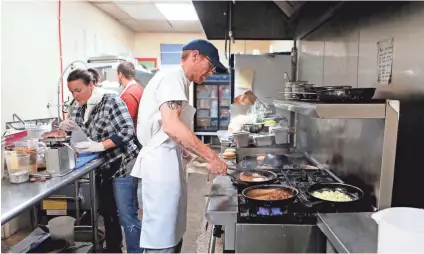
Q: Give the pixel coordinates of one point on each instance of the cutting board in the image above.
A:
(83, 159)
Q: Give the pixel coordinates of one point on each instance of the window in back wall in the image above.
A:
(170, 54)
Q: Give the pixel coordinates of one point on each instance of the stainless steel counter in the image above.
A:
(15, 198)
(222, 211)
(350, 232)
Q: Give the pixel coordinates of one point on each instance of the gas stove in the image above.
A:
(247, 228)
(303, 210)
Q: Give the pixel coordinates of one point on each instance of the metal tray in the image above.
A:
(48, 140)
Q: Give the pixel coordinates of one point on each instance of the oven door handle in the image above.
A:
(216, 232)
(212, 244)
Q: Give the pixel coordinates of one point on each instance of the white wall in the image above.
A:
(148, 44)
(345, 53)
(30, 50)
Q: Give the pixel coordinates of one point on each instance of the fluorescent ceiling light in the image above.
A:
(178, 11)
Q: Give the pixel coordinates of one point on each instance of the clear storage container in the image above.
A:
(18, 167)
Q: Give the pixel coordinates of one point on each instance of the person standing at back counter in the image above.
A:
(132, 90)
(105, 120)
(163, 131)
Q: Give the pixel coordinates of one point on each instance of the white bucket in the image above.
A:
(400, 230)
(62, 227)
(281, 135)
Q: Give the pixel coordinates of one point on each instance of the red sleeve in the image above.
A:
(132, 104)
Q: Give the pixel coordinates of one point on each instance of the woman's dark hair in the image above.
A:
(86, 76)
(96, 75)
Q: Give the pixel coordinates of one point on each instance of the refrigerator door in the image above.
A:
(207, 107)
(224, 106)
(268, 74)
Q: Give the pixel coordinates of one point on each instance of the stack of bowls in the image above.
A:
(294, 89)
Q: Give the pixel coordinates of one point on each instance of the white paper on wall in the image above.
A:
(385, 61)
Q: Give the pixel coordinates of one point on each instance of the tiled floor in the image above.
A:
(196, 238)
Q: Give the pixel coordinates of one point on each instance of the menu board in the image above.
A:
(385, 61)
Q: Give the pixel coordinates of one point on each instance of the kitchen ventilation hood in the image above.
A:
(289, 7)
(248, 20)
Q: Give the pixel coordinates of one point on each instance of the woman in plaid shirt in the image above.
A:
(105, 119)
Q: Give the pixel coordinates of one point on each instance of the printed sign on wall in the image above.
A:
(385, 61)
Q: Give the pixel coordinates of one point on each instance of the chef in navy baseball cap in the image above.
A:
(208, 50)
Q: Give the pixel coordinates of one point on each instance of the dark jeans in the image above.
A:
(175, 249)
(125, 189)
(109, 212)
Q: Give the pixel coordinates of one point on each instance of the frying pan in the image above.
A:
(336, 87)
(352, 191)
(346, 95)
(293, 191)
(276, 161)
(268, 175)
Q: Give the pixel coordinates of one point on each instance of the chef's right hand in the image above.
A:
(218, 166)
(67, 125)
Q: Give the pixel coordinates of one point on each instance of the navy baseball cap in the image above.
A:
(208, 49)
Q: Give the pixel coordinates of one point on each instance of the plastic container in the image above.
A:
(281, 135)
(35, 131)
(29, 147)
(223, 135)
(265, 140)
(241, 139)
(18, 167)
(400, 230)
(62, 227)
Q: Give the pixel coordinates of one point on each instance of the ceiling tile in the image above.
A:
(145, 17)
(141, 11)
(187, 26)
(113, 10)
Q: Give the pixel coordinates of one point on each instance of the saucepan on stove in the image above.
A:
(336, 193)
(253, 176)
(271, 194)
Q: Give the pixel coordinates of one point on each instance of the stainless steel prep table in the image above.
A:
(15, 198)
(350, 232)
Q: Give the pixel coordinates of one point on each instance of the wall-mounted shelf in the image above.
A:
(334, 111)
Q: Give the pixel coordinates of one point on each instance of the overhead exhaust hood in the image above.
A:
(289, 7)
(248, 20)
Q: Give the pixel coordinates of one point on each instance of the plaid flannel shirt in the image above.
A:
(110, 118)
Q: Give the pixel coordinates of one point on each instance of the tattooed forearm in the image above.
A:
(182, 134)
(174, 105)
(202, 150)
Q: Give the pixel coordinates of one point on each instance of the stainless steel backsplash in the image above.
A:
(352, 148)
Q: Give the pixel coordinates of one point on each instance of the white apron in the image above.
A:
(164, 189)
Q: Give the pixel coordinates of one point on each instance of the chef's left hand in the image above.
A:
(89, 146)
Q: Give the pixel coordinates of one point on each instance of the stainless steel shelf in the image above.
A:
(334, 111)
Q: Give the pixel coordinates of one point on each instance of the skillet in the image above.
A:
(353, 192)
(248, 194)
(268, 176)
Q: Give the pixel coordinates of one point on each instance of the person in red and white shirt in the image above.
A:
(132, 90)
(128, 186)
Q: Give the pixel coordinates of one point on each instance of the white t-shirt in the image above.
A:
(166, 85)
